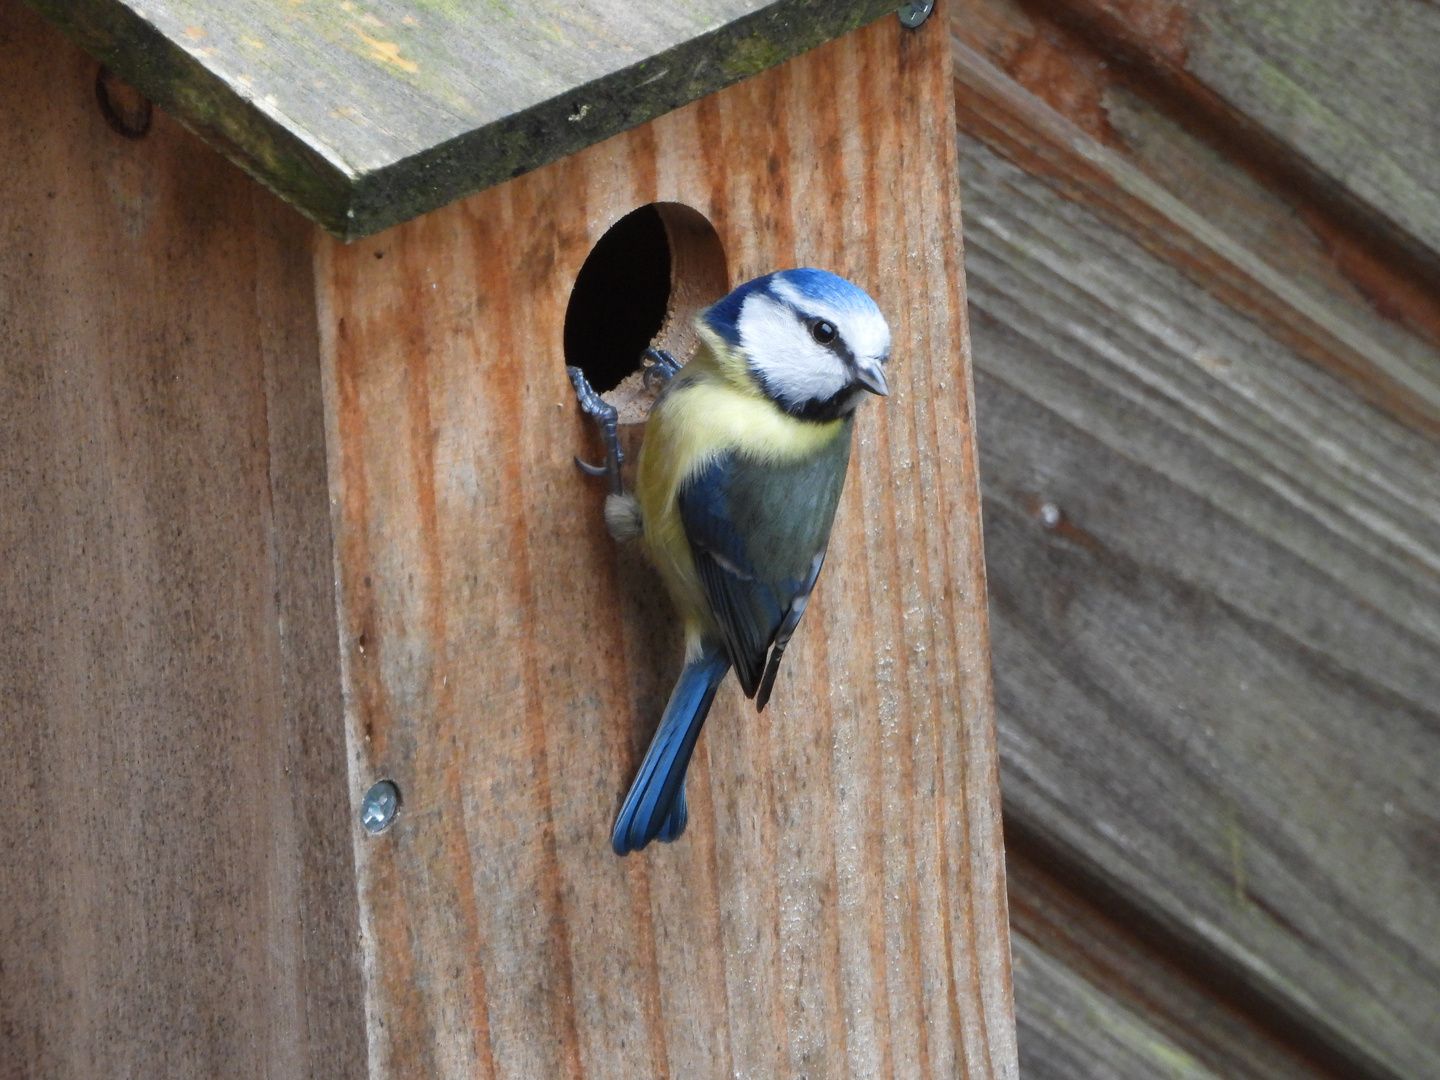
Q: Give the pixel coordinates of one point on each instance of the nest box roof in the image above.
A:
(365, 113)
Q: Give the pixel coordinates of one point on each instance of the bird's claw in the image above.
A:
(661, 369)
(591, 403)
(605, 414)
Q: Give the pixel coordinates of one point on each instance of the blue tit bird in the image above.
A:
(740, 472)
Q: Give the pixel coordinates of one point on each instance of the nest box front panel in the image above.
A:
(836, 907)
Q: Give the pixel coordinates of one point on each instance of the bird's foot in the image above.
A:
(604, 414)
(661, 369)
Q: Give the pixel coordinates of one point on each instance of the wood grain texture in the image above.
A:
(177, 897)
(1348, 92)
(836, 907)
(1396, 372)
(1208, 164)
(1069, 1027)
(1216, 671)
(1331, 262)
(366, 115)
(1099, 992)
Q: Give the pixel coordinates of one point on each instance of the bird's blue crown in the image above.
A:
(820, 285)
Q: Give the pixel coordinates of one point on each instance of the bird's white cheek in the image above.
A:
(801, 371)
(782, 352)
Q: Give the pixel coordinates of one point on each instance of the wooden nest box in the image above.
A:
(289, 510)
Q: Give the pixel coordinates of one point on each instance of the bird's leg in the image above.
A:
(662, 368)
(605, 415)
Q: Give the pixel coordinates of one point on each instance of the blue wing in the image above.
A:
(758, 532)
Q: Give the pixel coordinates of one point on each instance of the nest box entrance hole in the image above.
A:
(641, 287)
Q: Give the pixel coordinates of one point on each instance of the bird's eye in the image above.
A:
(823, 331)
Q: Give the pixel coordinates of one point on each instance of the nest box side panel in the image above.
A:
(177, 896)
(836, 907)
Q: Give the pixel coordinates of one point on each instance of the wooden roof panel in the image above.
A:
(365, 113)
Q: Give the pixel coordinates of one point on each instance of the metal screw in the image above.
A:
(379, 807)
(915, 12)
(1050, 516)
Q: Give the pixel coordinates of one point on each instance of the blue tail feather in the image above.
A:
(676, 820)
(655, 807)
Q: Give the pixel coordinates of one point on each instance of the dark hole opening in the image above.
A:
(620, 299)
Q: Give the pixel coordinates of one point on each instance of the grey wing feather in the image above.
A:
(746, 614)
(758, 533)
(784, 633)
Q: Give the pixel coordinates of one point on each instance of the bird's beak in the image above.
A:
(870, 375)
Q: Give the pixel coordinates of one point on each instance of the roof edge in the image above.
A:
(351, 206)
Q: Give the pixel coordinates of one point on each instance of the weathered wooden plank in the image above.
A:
(1229, 632)
(366, 115)
(836, 907)
(1347, 92)
(1207, 165)
(1396, 371)
(1069, 1028)
(174, 900)
(1306, 279)
(1100, 993)
(1338, 266)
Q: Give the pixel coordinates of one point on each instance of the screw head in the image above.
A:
(379, 807)
(915, 12)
